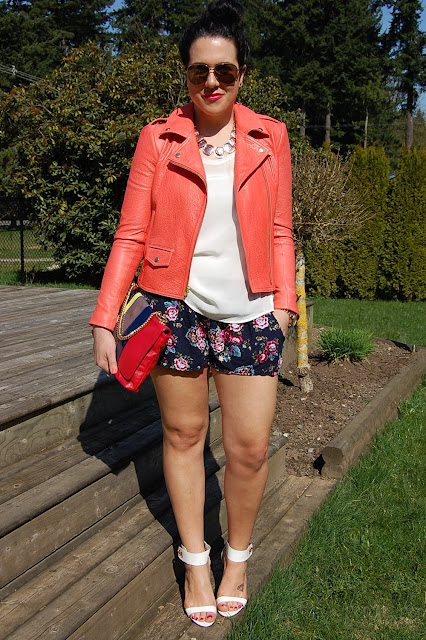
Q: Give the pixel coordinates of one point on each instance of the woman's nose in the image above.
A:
(211, 79)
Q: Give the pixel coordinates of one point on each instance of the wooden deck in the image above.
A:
(87, 534)
(46, 349)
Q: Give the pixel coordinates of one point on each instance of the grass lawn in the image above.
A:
(360, 571)
(401, 321)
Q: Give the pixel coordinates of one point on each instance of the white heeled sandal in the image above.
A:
(197, 560)
(235, 556)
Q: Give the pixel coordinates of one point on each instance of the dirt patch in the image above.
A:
(341, 391)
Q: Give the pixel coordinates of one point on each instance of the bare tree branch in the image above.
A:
(326, 207)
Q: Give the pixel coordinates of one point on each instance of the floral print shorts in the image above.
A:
(250, 348)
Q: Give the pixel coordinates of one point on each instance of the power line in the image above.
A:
(13, 71)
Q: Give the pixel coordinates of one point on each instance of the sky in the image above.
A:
(386, 18)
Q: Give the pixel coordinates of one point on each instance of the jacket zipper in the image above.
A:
(269, 224)
(182, 166)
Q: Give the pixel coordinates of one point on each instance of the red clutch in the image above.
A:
(141, 335)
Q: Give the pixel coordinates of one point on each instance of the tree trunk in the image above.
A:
(366, 128)
(302, 128)
(327, 138)
(303, 366)
(409, 127)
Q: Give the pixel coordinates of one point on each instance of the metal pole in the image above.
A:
(22, 215)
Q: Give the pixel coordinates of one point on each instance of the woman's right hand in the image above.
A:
(104, 349)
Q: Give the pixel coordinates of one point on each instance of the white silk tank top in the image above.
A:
(218, 282)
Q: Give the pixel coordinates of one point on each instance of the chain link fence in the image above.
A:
(21, 254)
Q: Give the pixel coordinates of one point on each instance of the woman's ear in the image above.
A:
(242, 73)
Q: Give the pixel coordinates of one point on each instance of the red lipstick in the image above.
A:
(213, 97)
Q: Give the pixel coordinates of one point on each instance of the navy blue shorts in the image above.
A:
(250, 348)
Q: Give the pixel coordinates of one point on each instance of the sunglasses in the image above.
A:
(225, 72)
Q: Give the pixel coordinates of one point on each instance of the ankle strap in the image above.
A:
(238, 556)
(195, 559)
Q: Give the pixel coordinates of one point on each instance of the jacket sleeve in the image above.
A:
(129, 241)
(284, 257)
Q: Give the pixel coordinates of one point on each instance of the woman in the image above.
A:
(208, 209)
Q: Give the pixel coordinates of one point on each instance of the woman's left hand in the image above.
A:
(282, 318)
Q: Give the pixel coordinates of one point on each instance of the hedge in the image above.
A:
(387, 257)
(403, 259)
(360, 266)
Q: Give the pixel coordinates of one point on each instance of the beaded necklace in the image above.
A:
(219, 151)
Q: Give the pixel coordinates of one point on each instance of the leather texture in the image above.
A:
(141, 355)
(165, 201)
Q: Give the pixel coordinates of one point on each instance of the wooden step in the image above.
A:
(35, 422)
(120, 611)
(64, 505)
(136, 549)
(86, 519)
(33, 471)
(166, 620)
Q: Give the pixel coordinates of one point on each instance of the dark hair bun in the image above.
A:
(225, 11)
(221, 18)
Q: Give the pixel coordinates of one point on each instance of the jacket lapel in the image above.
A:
(251, 150)
(184, 154)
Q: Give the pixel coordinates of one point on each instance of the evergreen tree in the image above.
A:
(141, 20)
(298, 43)
(361, 251)
(331, 63)
(402, 264)
(419, 130)
(262, 21)
(353, 69)
(34, 36)
(405, 44)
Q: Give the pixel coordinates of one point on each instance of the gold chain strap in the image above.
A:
(120, 319)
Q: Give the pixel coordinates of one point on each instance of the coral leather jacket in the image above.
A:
(166, 198)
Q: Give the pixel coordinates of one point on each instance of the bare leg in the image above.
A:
(183, 399)
(248, 406)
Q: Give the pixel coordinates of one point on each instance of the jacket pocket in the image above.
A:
(158, 256)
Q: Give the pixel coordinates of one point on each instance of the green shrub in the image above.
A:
(386, 257)
(350, 267)
(359, 275)
(326, 208)
(265, 94)
(402, 266)
(346, 344)
(67, 144)
(323, 269)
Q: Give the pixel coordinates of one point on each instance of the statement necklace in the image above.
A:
(209, 149)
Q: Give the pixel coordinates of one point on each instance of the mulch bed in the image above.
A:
(341, 391)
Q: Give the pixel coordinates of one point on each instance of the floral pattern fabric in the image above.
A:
(245, 349)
